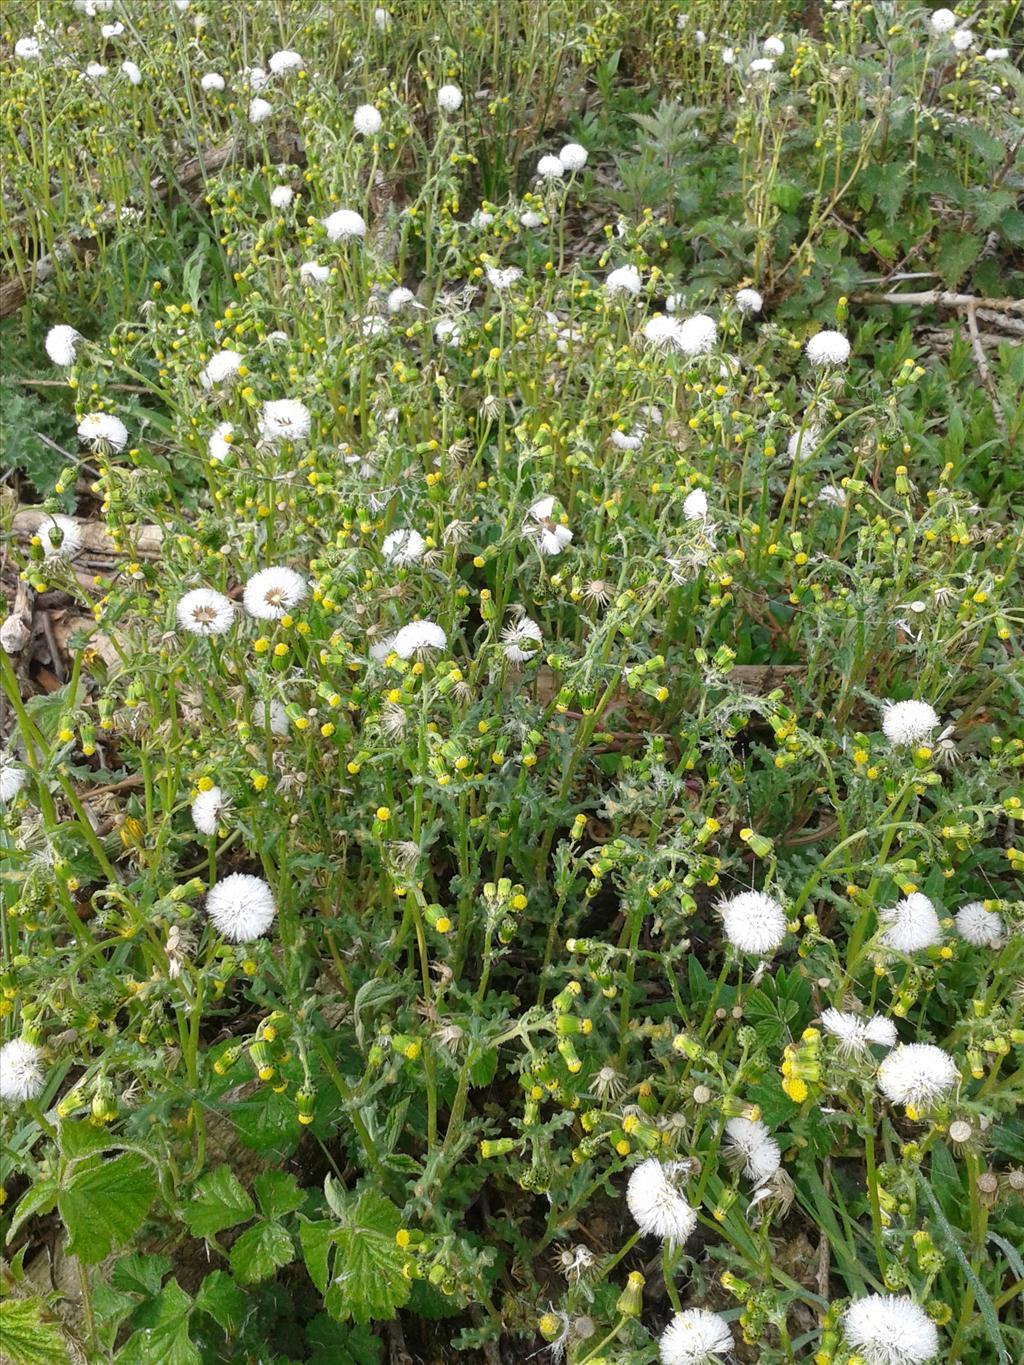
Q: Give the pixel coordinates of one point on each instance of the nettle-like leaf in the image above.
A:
(161, 1336)
(355, 1262)
(260, 1251)
(29, 1335)
(219, 1202)
(103, 1203)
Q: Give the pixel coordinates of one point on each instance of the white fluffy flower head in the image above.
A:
(773, 47)
(980, 927)
(212, 81)
(399, 298)
(662, 331)
(828, 348)
(749, 1141)
(521, 640)
(312, 273)
(403, 547)
(695, 1337)
(218, 447)
(749, 300)
(909, 722)
(753, 922)
(207, 809)
(284, 419)
(695, 505)
(917, 1074)
(345, 225)
(624, 280)
(573, 156)
(912, 924)
(417, 638)
(942, 21)
(222, 366)
(281, 196)
(205, 612)
(61, 344)
(12, 778)
(103, 429)
(21, 1074)
(550, 168)
(28, 49)
(284, 61)
(548, 534)
(449, 99)
(241, 907)
(890, 1329)
(367, 120)
(272, 593)
(259, 110)
(697, 335)
(61, 537)
(656, 1204)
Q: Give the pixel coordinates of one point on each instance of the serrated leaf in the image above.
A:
(278, 1193)
(27, 1337)
(260, 1251)
(484, 1067)
(40, 1198)
(334, 1343)
(367, 1282)
(161, 1335)
(104, 1205)
(140, 1274)
(219, 1202)
(316, 1240)
(223, 1300)
(81, 1139)
(110, 1307)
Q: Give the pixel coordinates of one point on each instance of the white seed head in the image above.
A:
(284, 419)
(917, 1074)
(749, 300)
(241, 907)
(550, 168)
(61, 344)
(284, 61)
(259, 110)
(750, 1141)
(753, 922)
(980, 927)
(521, 640)
(218, 447)
(205, 612)
(21, 1072)
(695, 1337)
(912, 924)
(103, 429)
(417, 638)
(828, 348)
(549, 535)
(281, 196)
(367, 120)
(61, 537)
(212, 81)
(12, 778)
(273, 593)
(697, 335)
(909, 722)
(449, 99)
(207, 809)
(345, 225)
(312, 273)
(403, 547)
(656, 1204)
(890, 1329)
(222, 366)
(624, 280)
(695, 505)
(942, 21)
(573, 156)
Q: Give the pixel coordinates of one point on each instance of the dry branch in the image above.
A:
(942, 298)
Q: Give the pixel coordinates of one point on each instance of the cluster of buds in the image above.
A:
(567, 1025)
(801, 1068)
(642, 678)
(502, 902)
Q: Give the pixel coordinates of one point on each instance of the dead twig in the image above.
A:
(981, 362)
(943, 298)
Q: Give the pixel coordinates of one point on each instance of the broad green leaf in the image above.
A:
(28, 1336)
(110, 1307)
(104, 1205)
(484, 1067)
(140, 1274)
(316, 1240)
(39, 1198)
(278, 1193)
(260, 1251)
(223, 1300)
(219, 1202)
(161, 1335)
(334, 1343)
(82, 1139)
(367, 1282)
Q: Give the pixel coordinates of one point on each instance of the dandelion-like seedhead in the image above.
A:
(521, 640)
(753, 922)
(60, 537)
(403, 547)
(549, 535)
(62, 343)
(12, 778)
(890, 1329)
(449, 99)
(657, 1205)
(284, 419)
(273, 593)
(21, 1072)
(345, 225)
(980, 927)
(750, 1143)
(695, 1337)
(917, 1074)
(207, 809)
(102, 430)
(828, 348)
(240, 907)
(909, 722)
(418, 638)
(205, 612)
(912, 923)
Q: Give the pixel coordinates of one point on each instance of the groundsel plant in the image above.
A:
(510, 756)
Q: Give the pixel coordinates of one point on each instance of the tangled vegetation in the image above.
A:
(511, 731)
